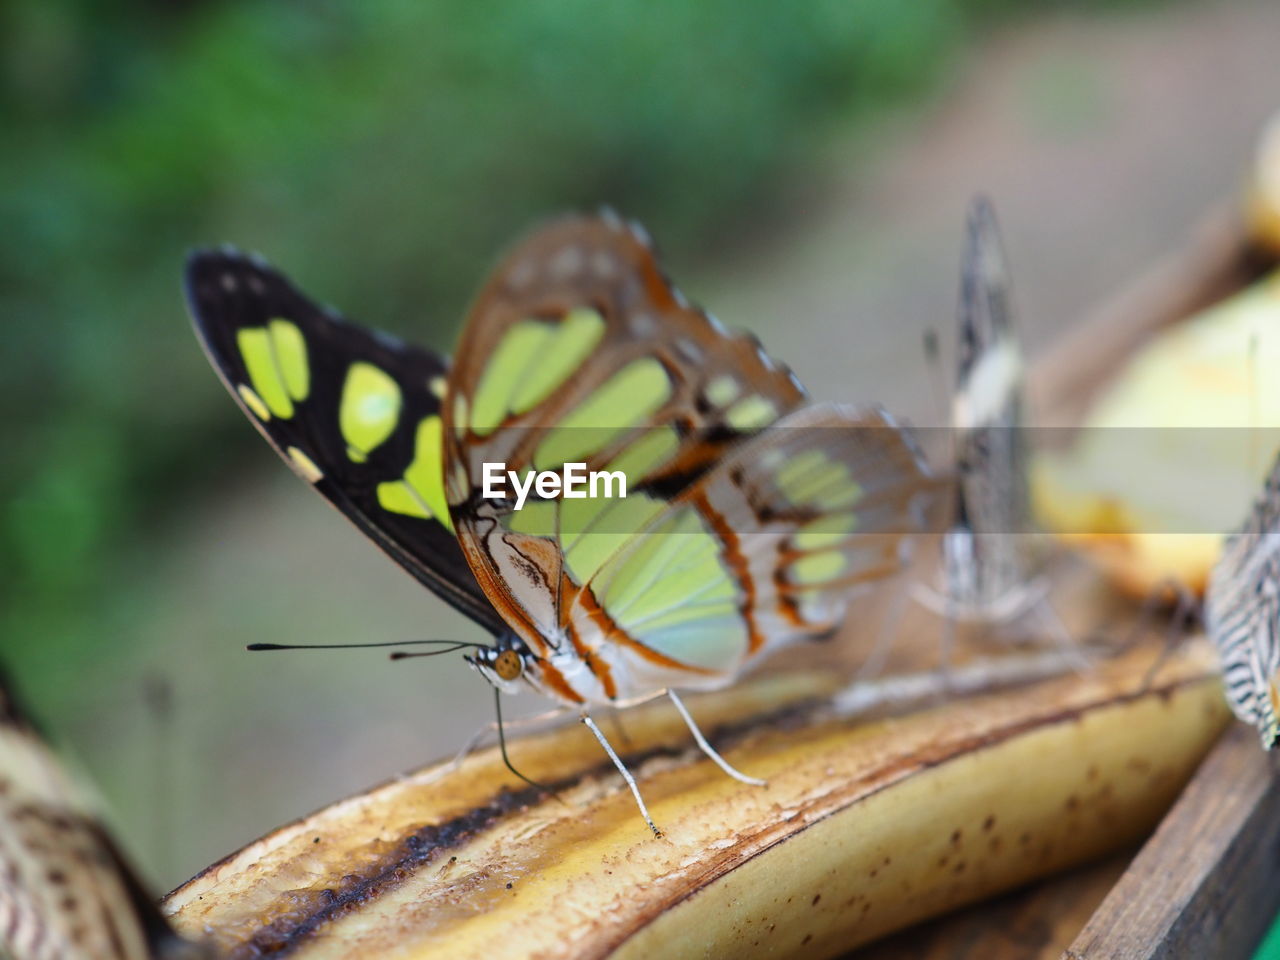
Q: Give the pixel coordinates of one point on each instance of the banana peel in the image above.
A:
(870, 822)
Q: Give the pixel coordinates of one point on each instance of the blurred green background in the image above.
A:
(804, 166)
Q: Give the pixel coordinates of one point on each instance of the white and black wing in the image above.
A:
(985, 553)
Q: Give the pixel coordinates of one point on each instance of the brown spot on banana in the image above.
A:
(860, 831)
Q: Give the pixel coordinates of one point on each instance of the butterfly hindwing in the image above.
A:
(354, 412)
(66, 891)
(578, 349)
(764, 549)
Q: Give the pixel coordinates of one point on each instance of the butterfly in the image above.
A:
(66, 891)
(1242, 614)
(749, 516)
(990, 572)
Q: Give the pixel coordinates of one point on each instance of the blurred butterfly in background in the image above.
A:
(65, 890)
(749, 515)
(1242, 614)
(990, 572)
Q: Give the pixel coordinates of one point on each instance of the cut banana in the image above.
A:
(865, 826)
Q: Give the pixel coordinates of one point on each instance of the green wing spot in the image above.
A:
(369, 410)
(752, 413)
(673, 593)
(712, 643)
(259, 359)
(813, 478)
(398, 497)
(253, 402)
(518, 348)
(421, 492)
(561, 354)
(646, 455)
(426, 473)
(818, 567)
(537, 519)
(531, 360)
(626, 399)
(290, 349)
(825, 532)
(592, 531)
(723, 390)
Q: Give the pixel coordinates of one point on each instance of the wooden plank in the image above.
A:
(1030, 924)
(1207, 883)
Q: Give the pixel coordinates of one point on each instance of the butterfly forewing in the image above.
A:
(356, 413)
(987, 557)
(761, 550)
(64, 890)
(579, 350)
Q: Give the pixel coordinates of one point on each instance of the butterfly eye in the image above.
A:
(507, 665)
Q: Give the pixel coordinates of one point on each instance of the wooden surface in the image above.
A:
(1205, 884)
(1029, 924)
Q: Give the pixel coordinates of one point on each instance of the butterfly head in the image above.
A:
(504, 663)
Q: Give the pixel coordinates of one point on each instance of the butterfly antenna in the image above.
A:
(502, 746)
(455, 644)
(402, 655)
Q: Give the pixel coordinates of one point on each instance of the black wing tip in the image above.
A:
(217, 274)
(200, 261)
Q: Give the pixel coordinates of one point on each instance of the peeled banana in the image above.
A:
(872, 820)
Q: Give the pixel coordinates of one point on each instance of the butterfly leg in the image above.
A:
(706, 747)
(622, 769)
(1185, 613)
(1062, 638)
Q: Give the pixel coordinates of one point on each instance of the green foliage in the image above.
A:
(381, 151)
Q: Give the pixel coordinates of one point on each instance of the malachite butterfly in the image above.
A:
(750, 514)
